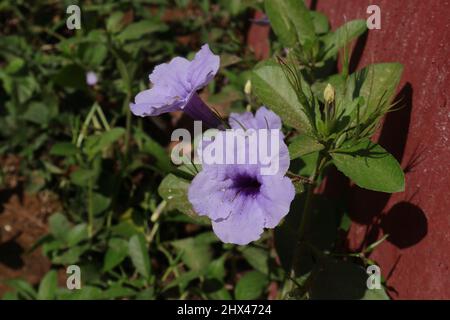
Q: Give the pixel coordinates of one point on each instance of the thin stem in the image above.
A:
(85, 125)
(309, 196)
(154, 218)
(306, 216)
(102, 117)
(128, 126)
(90, 210)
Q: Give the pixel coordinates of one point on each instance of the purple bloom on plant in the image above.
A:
(175, 86)
(91, 78)
(236, 197)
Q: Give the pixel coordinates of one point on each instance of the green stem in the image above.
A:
(306, 217)
(128, 127)
(85, 125)
(102, 117)
(90, 210)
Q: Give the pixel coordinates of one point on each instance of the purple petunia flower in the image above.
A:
(239, 200)
(175, 86)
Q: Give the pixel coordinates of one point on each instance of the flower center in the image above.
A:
(246, 185)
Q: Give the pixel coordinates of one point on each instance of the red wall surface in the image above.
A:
(415, 259)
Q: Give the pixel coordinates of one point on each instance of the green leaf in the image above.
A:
(153, 148)
(85, 293)
(251, 286)
(23, 288)
(48, 286)
(195, 253)
(174, 190)
(257, 258)
(10, 295)
(96, 143)
(291, 21)
(99, 203)
(59, 226)
(125, 229)
(114, 23)
(221, 294)
(14, 65)
(320, 22)
(377, 83)
(37, 113)
(227, 60)
(140, 29)
(71, 256)
(93, 54)
(116, 253)
(81, 177)
(343, 35)
(117, 291)
(273, 88)
(375, 294)
(184, 279)
(343, 280)
(302, 145)
(77, 234)
(216, 269)
(308, 163)
(137, 250)
(146, 294)
(64, 149)
(371, 167)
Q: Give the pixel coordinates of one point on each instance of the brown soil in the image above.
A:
(23, 220)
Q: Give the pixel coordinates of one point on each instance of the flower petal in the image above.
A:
(263, 119)
(281, 156)
(276, 195)
(210, 194)
(244, 225)
(155, 101)
(203, 68)
(173, 75)
(267, 119)
(244, 121)
(267, 160)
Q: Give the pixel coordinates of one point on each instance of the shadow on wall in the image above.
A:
(393, 138)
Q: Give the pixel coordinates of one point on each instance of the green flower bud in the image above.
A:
(328, 94)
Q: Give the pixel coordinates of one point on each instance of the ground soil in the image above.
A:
(23, 220)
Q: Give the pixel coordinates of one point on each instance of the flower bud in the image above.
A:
(328, 93)
(248, 87)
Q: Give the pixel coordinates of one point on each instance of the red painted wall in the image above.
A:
(416, 257)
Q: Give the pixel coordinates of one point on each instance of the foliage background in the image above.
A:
(96, 167)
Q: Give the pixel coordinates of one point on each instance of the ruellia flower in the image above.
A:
(91, 78)
(239, 200)
(175, 86)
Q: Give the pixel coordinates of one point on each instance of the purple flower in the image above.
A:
(91, 78)
(236, 197)
(175, 86)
